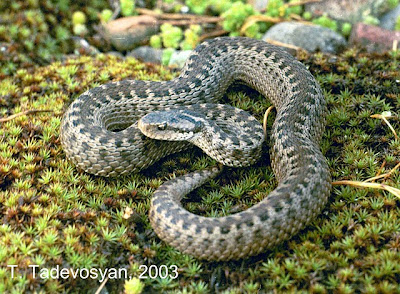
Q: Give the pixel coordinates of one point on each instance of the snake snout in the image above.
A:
(171, 125)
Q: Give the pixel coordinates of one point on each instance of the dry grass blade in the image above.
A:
(367, 184)
(359, 184)
(101, 286)
(384, 118)
(27, 112)
(265, 119)
(383, 175)
(281, 44)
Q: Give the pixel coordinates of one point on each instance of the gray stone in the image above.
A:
(83, 47)
(259, 5)
(388, 21)
(147, 54)
(150, 54)
(352, 11)
(309, 37)
(178, 58)
(116, 53)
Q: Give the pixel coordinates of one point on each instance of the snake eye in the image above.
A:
(162, 126)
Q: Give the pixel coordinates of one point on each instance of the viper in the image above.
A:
(126, 126)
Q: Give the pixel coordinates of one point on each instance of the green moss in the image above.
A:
(39, 30)
(134, 286)
(397, 25)
(155, 41)
(191, 37)
(106, 15)
(197, 6)
(127, 7)
(235, 17)
(371, 20)
(278, 8)
(325, 21)
(171, 35)
(78, 17)
(346, 29)
(53, 214)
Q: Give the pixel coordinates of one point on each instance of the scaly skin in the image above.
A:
(301, 169)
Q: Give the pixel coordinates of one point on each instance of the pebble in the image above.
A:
(127, 33)
(147, 54)
(309, 37)
(178, 58)
(259, 5)
(116, 54)
(374, 38)
(83, 47)
(152, 55)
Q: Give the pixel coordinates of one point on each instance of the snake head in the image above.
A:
(171, 125)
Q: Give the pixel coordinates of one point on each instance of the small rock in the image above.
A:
(128, 32)
(259, 5)
(116, 53)
(147, 54)
(179, 58)
(352, 11)
(388, 21)
(83, 47)
(373, 38)
(309, 37)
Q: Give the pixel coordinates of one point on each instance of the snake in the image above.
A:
(103, 132)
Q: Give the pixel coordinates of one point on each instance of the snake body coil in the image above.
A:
(99, 134)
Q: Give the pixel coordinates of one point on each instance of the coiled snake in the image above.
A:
(100, 134)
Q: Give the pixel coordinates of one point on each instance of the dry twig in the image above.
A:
(256, 18)
(213, 34)
(178, 17)
(277, 43)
